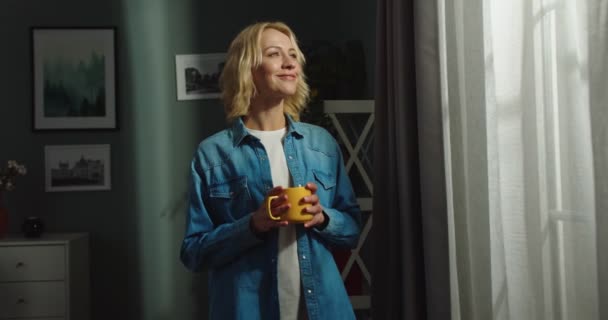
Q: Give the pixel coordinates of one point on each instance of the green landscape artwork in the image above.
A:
(74, 88)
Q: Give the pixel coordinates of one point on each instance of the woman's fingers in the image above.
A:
(312, 187)
(317, 219)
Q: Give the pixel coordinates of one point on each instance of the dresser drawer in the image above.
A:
(32, 299)
(30, 263)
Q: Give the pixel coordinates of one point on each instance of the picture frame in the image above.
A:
(77, 167)
(197, 75)
(74, 78)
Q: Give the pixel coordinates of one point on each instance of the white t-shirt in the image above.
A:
(288, 265)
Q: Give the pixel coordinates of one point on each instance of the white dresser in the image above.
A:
(45, 278)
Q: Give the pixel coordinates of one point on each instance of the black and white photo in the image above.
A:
(77, 167)
(197, 75)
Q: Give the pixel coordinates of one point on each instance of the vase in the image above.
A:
(3, 219)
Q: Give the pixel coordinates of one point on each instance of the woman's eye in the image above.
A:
(273, 54)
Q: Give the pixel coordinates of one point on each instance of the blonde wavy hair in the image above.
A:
(244, 55)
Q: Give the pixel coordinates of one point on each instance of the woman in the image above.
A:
(260, 268)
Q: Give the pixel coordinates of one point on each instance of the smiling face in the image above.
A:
(279, 72)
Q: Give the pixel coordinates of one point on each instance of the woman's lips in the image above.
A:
(288, 76)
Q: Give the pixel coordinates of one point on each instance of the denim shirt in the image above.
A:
(230, 177)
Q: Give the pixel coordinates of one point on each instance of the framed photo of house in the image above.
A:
(74, 78)
(197, 75)
(77, 167)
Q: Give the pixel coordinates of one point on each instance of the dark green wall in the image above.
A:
(136, 228)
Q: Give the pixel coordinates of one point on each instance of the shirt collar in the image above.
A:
(240, 132)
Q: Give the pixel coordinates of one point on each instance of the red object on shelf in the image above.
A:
(354, 278)
(3, 219)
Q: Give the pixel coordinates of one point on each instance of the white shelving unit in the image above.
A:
(45, 278)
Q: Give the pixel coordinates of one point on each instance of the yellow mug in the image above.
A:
(296, 212)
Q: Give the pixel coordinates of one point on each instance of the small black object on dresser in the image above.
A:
(32, 227)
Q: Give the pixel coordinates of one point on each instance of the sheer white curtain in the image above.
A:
(522, 162)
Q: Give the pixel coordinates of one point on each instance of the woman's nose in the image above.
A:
(289, 62)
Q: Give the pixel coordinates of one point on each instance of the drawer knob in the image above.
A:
(20, 301)
(20, 265)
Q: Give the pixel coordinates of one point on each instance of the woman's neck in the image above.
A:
(265, 117)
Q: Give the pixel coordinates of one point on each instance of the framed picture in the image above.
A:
(74, 78)
(77, 167)
(197, 75)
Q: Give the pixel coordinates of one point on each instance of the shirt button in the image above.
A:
(304, 257)
(290, 158)
(309, 291)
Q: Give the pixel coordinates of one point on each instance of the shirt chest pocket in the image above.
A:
(326, 181)
(230, 199)
(326, 184)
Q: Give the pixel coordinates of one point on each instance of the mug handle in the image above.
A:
(268, 208)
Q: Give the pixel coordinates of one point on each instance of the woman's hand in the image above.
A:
(260, 221)
(315, 208)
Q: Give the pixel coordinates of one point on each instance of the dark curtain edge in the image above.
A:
(432, 159)
(410, 271)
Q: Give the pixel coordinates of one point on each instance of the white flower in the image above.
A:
(9, 174)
